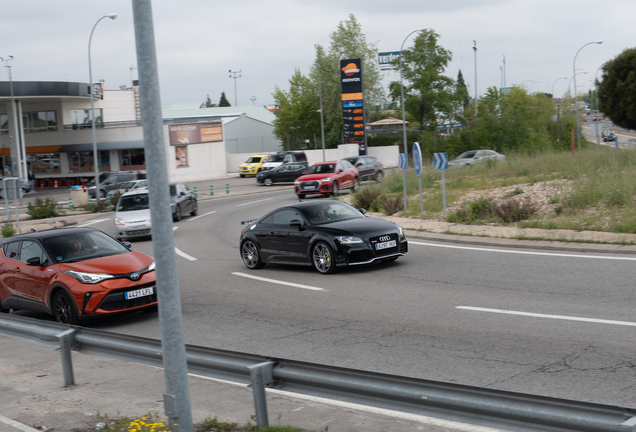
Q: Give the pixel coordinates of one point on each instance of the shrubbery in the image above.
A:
(43, 208)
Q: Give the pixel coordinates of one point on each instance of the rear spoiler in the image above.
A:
(247, 221)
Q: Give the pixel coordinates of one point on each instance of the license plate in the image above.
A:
(309, 187)
(385, 245)
(139, 293)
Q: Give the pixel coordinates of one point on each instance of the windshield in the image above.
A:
(277, 158)
(83, 245)
(102, 177)
(332, 212)
(253, 159)
(322, 168)
(133, 203)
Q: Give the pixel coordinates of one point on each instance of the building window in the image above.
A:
(82, 161)
(44, 163)
(40, 121)
(82, 118)
(4, 124)
(132, 159)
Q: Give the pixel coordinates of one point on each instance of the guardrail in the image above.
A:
(472, 405)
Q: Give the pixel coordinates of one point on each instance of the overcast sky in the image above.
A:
(199, 41)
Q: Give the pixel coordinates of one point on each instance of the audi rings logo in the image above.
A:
(134, 276)
(385, 238)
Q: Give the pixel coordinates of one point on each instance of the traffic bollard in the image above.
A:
(227, 188)
(70, 203)
(211, 190)
(196, 195)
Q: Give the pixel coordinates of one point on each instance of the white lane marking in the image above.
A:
(274, 281)
(93, 222)
(525, 252)
(559, 317)
(254, 202)
(184, 255)
(200, 216)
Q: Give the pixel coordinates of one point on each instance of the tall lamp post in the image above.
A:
(17, 133)
(476, 100)
(235, 75)
(576, 102)
(406, 150)
(533, 82)
(555, 81)
(92, 90)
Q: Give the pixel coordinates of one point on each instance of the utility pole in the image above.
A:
(235, 75)
(476, 101)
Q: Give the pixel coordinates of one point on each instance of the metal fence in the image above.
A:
(472, 405)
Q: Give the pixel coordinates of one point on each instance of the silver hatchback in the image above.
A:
(132, 215)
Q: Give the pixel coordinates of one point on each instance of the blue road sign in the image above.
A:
(441, 161)
(417, 158)
(402, 163)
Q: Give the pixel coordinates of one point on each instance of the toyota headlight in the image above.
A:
(88, 278)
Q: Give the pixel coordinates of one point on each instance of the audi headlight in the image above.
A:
(88, 278)
(325, 180)
(348, 239)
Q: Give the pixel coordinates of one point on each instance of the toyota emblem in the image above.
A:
(134, 276)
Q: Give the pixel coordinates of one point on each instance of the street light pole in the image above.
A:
(598, 110)
(253, 99)
(406, 150)
(92, 91)
(533, 82)
(555, 83)
(322, 121)
(576, 102)
(17, 133)
(235, 75)
(476, 100)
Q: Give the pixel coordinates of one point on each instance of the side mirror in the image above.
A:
(359, 164)
(127, 244)
(363, 211)
(296, 222)
(339, 170)
(35, 261)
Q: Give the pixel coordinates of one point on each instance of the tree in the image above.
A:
(224, 102)
(297, 116)
(617, 91)
(427, 93)
(462, 90)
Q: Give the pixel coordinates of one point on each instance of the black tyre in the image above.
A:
(64, 309)
(301, 196)
(176, 216)
(356, 184)
(251, 255)
(195, 208)
(3, 310)
(379, 177)
(323, 258)
(241, 175)
(268, 181)
(334, 189)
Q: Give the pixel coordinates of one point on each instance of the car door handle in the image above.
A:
(272, 233)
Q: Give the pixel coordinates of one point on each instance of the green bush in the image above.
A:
(365, 197)
(391, 204)
(42, 208)
(115, 198)
(8, 230)
(98, 206)
(512, 211)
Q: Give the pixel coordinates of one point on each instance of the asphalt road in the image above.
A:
(553, 324)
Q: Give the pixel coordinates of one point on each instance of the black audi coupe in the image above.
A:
(324, 233)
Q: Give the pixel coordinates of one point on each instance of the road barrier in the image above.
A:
(473, 405)
(211, 190)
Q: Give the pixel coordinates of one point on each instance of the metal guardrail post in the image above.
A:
(227, 188)
(70, 203)
(67, 340)
(261, 374)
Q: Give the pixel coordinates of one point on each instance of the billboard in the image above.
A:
(196, 133)
(385, 59)
(353, 104)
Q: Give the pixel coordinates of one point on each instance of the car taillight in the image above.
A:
(242, 232)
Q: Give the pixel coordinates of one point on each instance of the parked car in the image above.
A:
(75, 274)
(327, 178)
(277, 159)
(325, 234)
(128, 186)
(132, 215)
(253, 165)
(287, 172)
(369, 167)
(182, 201)
(470, 158)
(112, 180)
(25, 187)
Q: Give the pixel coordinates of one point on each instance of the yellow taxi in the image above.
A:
(253, 165)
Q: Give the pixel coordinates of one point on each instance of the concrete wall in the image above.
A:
(205, 161)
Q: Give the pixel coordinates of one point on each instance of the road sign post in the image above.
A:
(417, 163)
(441, 162)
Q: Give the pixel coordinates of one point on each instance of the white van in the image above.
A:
(277, 159)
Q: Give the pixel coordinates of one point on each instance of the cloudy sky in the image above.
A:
(199, 41)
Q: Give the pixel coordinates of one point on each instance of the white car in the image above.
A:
(469, 158)
(132, 215)
(127, 187)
